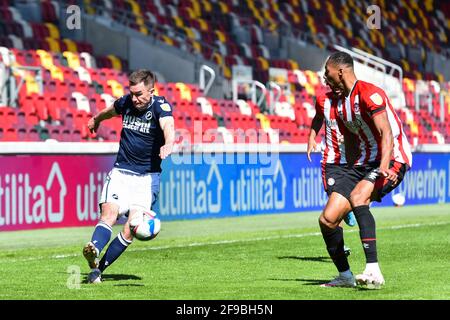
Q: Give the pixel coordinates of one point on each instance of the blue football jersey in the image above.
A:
(141, 137)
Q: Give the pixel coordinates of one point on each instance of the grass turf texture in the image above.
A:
(266, 257)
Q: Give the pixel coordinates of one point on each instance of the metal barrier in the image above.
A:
(273, 98)
(202, 78)
(9, 89)
(254, 84)
(4, 75)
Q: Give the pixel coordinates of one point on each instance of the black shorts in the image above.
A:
(335, 180)
(343, 179)
(384, 186)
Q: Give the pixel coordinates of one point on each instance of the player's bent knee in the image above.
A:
(359, 199)
(109, 213)
(327, 222)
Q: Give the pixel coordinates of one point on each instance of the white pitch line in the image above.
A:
(288, 236)
(221, 242)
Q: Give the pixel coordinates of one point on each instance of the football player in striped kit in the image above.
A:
(335, 156)
(383, 157)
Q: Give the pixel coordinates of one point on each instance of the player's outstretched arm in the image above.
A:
(105, 114)
(168, 126)
(316, 125)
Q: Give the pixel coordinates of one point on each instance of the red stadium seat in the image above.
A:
(10, 134)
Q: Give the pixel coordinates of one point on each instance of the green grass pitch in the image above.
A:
(267, 257)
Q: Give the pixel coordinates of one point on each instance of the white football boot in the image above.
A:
(370, 280)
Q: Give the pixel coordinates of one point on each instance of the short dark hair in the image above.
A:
(341, 58)
(142, 75)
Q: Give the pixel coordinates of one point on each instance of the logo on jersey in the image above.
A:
(165, 107)
(136, 123)
(148, 115)
(115, 196)
(357, 108)
(331, 181)
(377, 99)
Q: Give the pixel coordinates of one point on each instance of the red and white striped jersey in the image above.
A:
(357, 111)
(333, 148)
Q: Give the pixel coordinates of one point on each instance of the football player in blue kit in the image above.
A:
(146, 139)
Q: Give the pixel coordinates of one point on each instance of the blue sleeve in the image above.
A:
(119, 105)
(163, 109)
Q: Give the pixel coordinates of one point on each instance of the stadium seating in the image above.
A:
(206, 28)
(77, 84)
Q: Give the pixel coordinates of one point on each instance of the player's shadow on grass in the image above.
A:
(318, 282)
(314, 259)
(308, 282)
(115, 277)
(313, 282)
(118, 277)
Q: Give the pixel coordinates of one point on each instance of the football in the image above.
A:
(398, 199)
(145, 225)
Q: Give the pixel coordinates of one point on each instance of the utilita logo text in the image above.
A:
(24, 203)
